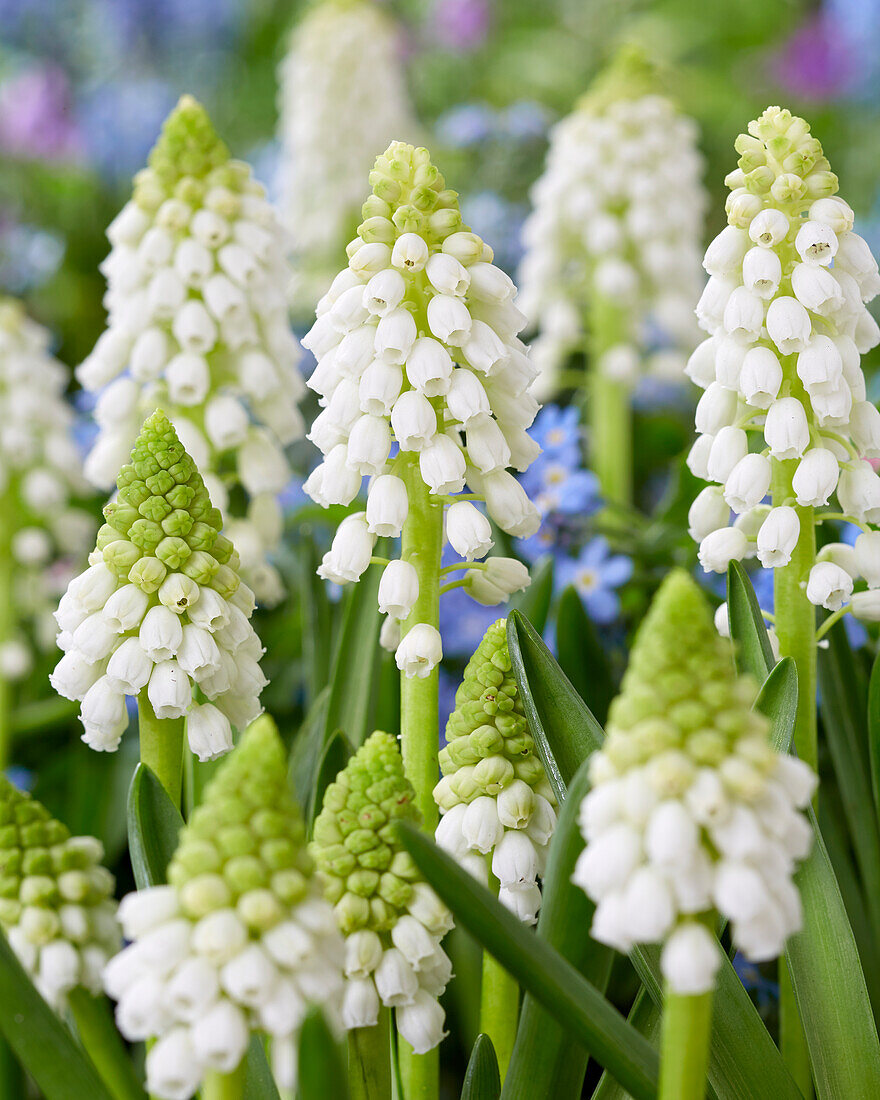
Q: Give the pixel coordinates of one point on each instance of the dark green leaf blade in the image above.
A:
(778, 700)
(40, 1041)
(747, 627)
(545, 1061)
(322, 1073)
(153, 826)
(539, 969)
(830, 987)
(874, 732)
(481, 1081)
(564, 730)
(356, 661)
(582, 656)
(335, 756)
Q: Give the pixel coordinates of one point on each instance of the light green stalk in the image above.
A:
(161, 741)
(98, 1034)
(609, 408)
(422, 543)
(225, 1086)
(421, 546)
(499, 1010)
(684, 1045)
(795, 625)
(369, 1059)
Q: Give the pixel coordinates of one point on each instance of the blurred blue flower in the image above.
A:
(765, 990)
(499, 221)
(121, 120)
(596, 574)
(558, 433)
(543, 542)
(463, 621)
(29, 256)
(525, 120)
(556, 487)
(21, 778)
(465, 125)
(293, 495)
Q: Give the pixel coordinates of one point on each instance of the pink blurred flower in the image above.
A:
(814, 64)
(36, 115)
(462, 24)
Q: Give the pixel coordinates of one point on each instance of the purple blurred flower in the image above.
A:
(36, 119)
(461, 24)
(29, 256)
(814, 64)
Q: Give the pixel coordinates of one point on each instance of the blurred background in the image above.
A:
(85, 85)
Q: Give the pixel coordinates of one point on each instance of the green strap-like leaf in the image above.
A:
(334, 758)
(533, 603)
(582, 656)
(754, 653)
(564, 730)
(778, 700)
(153, 825)
(845, 724)
(481, 1081)
(577, 1005)
(40, 1041)
(646, 1019)
(830, 988)
(874, 733)
(356, 660)
(322, 1073)
(545, 1061)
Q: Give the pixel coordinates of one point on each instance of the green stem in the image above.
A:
(102, 1042)
(225, 1086)
(161, 741)
(684, 1045)
(499, 1010)
(422, 543)
(369, 1060)
(419, 716)
(796, 630)
(609, 405)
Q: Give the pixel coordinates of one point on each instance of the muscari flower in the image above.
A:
(40, 473)
(416, 346)
(56, 899)
(496, 803)
(239, 941)
(785, 307)
(392, 920)
(617, 216)
(692, 814)
(161, 608)
(197, 323)
(342, 98)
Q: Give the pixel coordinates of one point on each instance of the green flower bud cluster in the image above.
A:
(197, 311)
(367, 875)
(162, 521)
(691, 811)
(488, 744)
(779, 161)
(680, 707)
(244, 848)
(161, 608)
(410, 196)
(188, 159)
(56, 899)
(252, 939)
